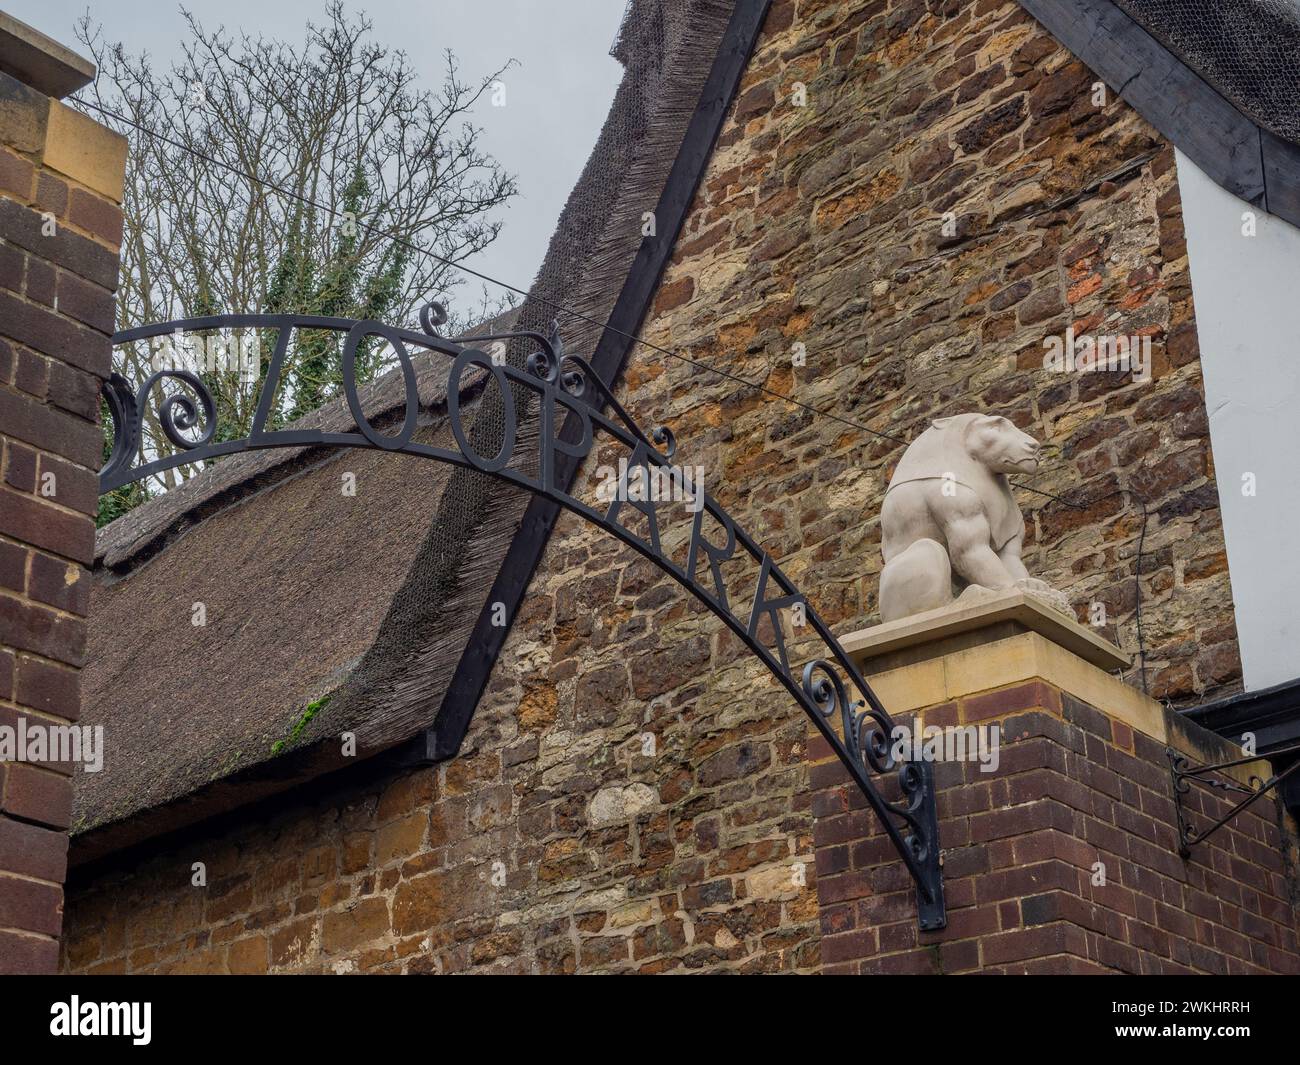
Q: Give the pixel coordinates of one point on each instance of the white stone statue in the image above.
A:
(949, 524)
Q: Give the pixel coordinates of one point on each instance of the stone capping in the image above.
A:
(994, 671)
(932, 633)
(62, 138)
(40, 62)
(1015, 660)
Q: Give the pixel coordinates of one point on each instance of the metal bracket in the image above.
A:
(555, 386)
(932, 912)
(1182, 773)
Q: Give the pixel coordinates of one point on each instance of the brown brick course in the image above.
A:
(1024, 851)
(56, 314)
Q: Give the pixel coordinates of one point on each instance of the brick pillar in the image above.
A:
(60, 227)
(1064, 858)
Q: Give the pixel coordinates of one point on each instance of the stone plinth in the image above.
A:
(975, 621)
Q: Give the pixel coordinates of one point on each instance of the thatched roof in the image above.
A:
(296, 580)
(368, 599)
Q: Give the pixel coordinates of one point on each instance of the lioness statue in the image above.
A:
(949, 524)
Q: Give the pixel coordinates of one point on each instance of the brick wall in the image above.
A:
(1077, 794)
(60, 225)
(553, 843)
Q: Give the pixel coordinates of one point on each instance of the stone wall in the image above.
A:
(823, 225)
(634, 793)
(60, 227)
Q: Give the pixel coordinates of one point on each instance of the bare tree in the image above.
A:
(267, 177)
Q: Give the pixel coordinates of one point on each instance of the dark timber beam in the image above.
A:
(1251, 163)
(444, 739)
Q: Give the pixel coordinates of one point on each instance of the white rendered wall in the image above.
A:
(1247, 294)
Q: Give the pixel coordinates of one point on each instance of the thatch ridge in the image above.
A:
(386, 682)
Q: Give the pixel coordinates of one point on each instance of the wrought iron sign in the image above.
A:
(562, 385)
(1183, 773)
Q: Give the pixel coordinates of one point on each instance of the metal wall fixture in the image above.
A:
(1183, 773)
(564, 386)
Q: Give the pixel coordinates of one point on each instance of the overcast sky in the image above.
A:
(557, 97)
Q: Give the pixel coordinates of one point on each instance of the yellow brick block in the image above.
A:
(1014, 660)
(80, 148)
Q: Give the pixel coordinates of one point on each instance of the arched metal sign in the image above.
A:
(860, 733)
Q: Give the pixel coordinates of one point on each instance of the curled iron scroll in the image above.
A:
(178, 414)
(552, 364)
(867, 735)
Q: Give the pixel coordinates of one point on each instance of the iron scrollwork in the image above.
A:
(562, 385)
(1182, 773)
(177, 414)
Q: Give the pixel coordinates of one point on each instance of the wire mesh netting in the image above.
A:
(1249, 50)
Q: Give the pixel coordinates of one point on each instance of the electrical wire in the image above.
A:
(561, 309)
